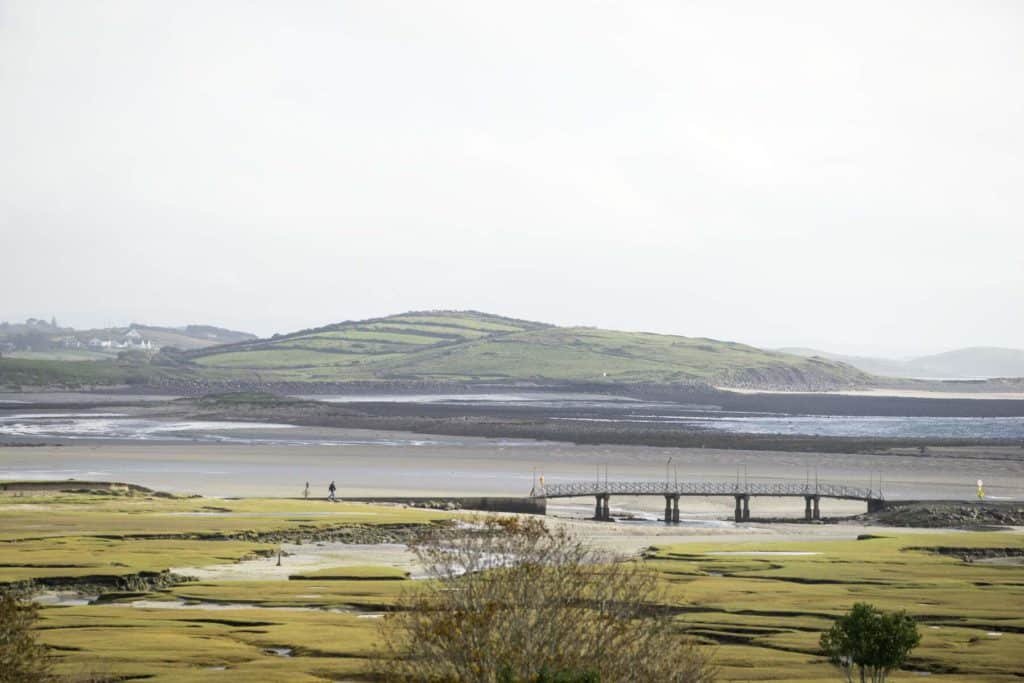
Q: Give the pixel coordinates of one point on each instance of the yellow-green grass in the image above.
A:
(82, 535)
(43, 516)
(279, 358)
(778, 605)
(75, 557)
(326, 593)
(189, 644)
(763, 614)
(438, 329)
(470, 320)
(760, 628)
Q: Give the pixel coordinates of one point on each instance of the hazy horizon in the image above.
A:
(841, 177)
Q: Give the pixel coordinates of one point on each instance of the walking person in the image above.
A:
(330, 491)
(305, 494)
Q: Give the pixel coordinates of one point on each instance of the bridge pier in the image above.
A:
(672, 508)
(875, 504)
(743, 508)
(607, 508)
(817, 510)
(599, 507)
(807, 508)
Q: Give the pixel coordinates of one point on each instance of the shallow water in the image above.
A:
(537, 399)
(118, 426)
(63, 599)
(839, 425)
(621, 410)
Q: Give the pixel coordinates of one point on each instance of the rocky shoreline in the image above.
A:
(950, 515)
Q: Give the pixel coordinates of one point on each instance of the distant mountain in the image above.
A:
(469, 346)
(978, 362)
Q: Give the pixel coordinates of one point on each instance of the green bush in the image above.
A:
(22, 659)
(871, 641)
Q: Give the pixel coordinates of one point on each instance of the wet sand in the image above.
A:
(394, 463)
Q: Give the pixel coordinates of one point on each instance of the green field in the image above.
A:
(63, 354)
(761, 614)
(766, 612)
(32, 372)
(452, 346)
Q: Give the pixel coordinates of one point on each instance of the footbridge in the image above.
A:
(811, 492)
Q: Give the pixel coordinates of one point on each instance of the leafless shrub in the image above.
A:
(511, 601)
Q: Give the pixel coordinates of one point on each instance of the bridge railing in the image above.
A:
(702, 488)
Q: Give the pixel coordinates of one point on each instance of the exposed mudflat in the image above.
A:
(724, 420)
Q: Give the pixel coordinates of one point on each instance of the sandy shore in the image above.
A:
(392, 463)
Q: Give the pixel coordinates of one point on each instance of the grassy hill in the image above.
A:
(471, 346)
(191, 336)
(449, 347)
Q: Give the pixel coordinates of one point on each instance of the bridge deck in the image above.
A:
(573, 489)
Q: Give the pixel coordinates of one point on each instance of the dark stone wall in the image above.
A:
(529, 506)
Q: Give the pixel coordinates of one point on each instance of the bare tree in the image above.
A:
(511, 601)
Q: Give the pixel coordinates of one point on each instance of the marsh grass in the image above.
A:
(763, 615)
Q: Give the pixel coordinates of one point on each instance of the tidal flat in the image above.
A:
(234, 575)
(134, 585)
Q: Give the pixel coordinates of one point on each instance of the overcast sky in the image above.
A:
(844, 175)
